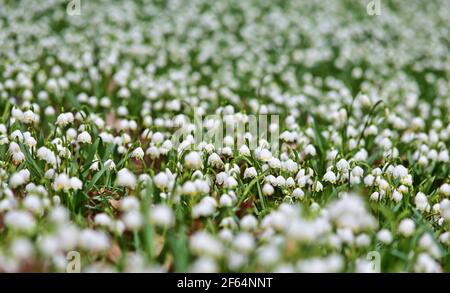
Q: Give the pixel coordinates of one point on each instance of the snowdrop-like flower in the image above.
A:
(138, 153)
(110, 164)
(19, 178)
(231, 182)
(244, 151)
(162, 216)
(265, 155)
(369, 180)
(62, 182)
(244, 242)
(357, 172)
(445, 189)
(64, 119)
(33, 203)
(268, 189)
(384, 236)
(205, 208)
(310, 150)
(225, 200)
(193, 160)
(407, 227)
(426, 264)
(126, 178)
(250, 172)
(104, 220)
(84, 137)
(132, 220)
(350, 212)
(397, 196)
(75, 183)
(400, 172)
(298, 193)
(249, 223)
(161, 180)
(388, 146)
(94, 241)
(330, 177)
(421, 202)
(203, 243)
(17, 135)
(214, 160)
(342, 165)
(318, 187)
(20, 220)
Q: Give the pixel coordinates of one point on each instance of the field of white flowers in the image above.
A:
(224, 136)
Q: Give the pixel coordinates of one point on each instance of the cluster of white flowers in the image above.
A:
(102, 151)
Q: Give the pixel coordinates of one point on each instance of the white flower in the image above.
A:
(29, 117)
(132, 220)
(20, 220)
(330, 177)
(290, 182)
(17, 135)
(104, 220)
(244, 242)
(204, 265)
(110, 164)
(400, 172)
(397, 196)
(19, 178)
(94, 241)
(205, 208)
(384, 236)
(350, 212)
(62, 181)
(129, 203)
(318, 187)
(18, 157)
(225, 200)
(189, 188)
(162, 216)
(298, 193)
(75, 183)
(445, 189)
(265, 155)
(214, 160)
(64, 119)
(84, 137)
(22, 248)
(369, 180)
(126, 178)
(310, 150)
(421, 202)
(193, 160)
(250, 172)
(244, 150)
(203, 243)
(231, 182)
(274, 163)
(426, 264)
(357, 172)
(161, 180)
(268, 189)
(249, 223)
(33, 203)
(138, 153)
(157, 138)
(154, 152)
(342, 165)
(406, 227)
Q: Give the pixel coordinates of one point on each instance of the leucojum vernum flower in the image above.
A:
(224, 136)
